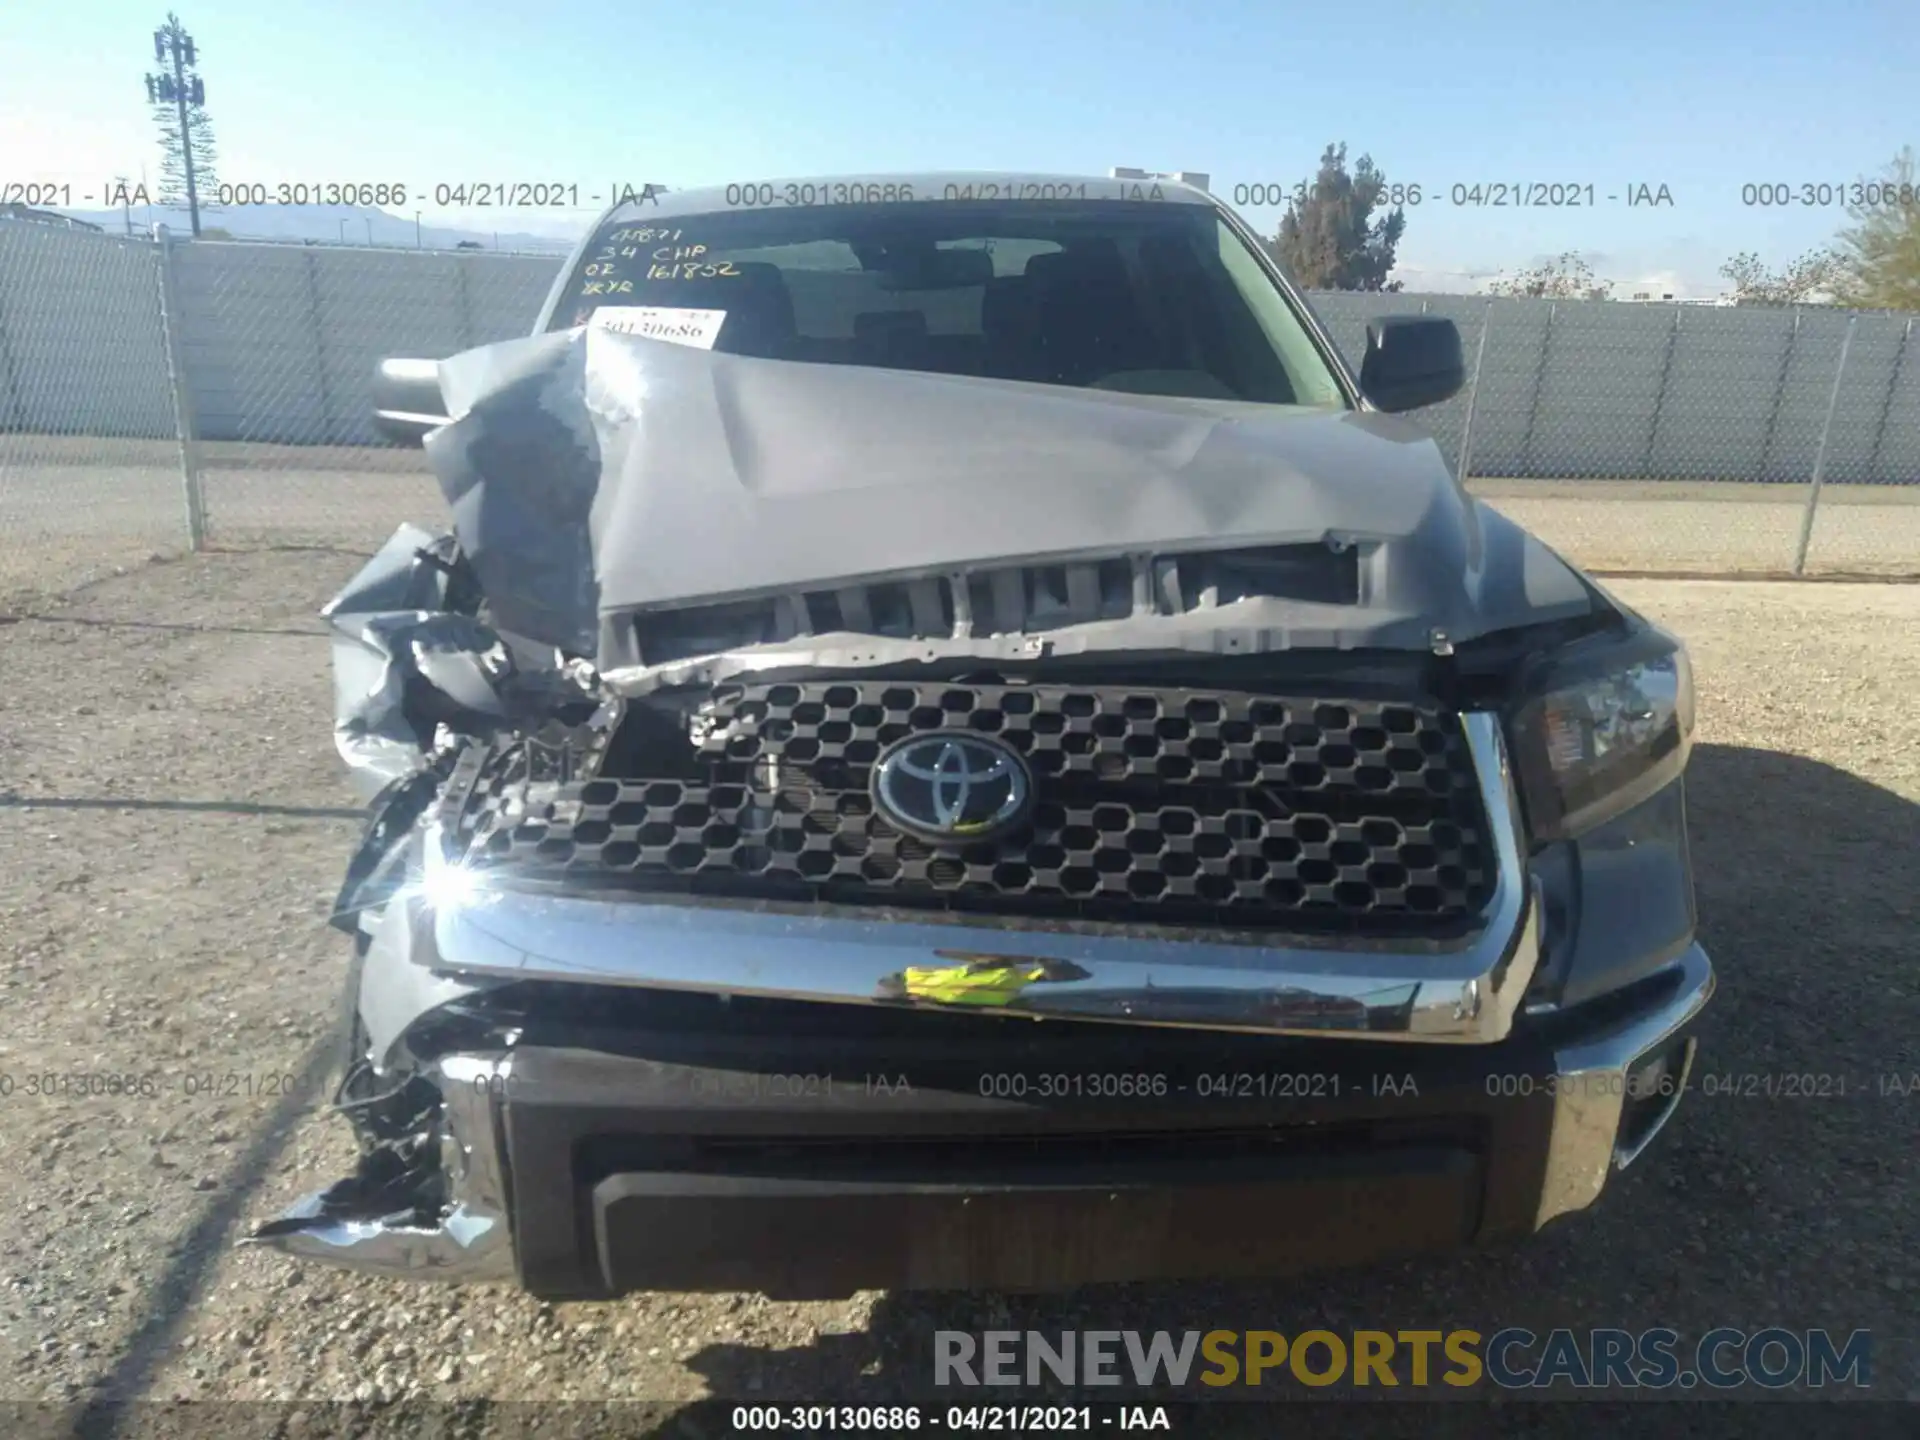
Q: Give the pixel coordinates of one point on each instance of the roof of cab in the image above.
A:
(654, 202)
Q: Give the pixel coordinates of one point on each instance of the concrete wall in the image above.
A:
(278, 343)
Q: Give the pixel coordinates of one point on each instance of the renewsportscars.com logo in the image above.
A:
(1510, 1359)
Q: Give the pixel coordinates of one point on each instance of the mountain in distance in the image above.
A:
(1680, 269)
(359, 225)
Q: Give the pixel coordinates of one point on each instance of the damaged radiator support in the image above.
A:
(1007, 600)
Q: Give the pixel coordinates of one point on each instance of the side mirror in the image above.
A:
(406, 400)
(1412, 360)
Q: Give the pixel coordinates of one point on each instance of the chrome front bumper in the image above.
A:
(464, 927)
(1466, 992)
(1586, 1142)
(1590, 1092)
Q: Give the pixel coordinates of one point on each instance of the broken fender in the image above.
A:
(413, 665)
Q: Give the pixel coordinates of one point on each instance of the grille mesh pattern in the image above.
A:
(1164, 806)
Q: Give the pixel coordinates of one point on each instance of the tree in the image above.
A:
(1878, 258)
(178, 96)
(1810, 280)
(1565, 277)
(1329, 239)
(173, 165)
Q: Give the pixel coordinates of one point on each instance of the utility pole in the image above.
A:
(172, 43)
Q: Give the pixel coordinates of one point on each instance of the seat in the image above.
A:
(891, 339)
(1090, 323)
(1011, 326)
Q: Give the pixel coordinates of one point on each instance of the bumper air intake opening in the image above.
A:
(1654, 1084)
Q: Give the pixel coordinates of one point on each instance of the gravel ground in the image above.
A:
(172, 827)
(1691, 528)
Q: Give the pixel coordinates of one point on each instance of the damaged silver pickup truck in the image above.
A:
(954, 743)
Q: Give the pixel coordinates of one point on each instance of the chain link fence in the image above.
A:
(1680, 438)
(280, 345)
(90, 463)
(158, 395)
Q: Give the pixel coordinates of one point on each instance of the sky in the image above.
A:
(1700, 96)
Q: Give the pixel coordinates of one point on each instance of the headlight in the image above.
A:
(1589, 747)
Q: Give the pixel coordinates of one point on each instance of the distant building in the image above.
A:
(1199, 179)
(1667, 297)
(14, 210)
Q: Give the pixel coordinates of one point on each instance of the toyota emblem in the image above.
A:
(953, 788)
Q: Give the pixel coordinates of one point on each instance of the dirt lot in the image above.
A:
(172, 827)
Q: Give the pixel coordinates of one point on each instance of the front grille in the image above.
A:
(1153, 806)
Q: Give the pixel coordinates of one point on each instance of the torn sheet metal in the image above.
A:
(412, 664)
(428, 1199)
(593, 474)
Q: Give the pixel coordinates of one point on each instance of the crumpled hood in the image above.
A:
(593, 474)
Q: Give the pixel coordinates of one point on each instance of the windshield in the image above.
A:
(1149, 298)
